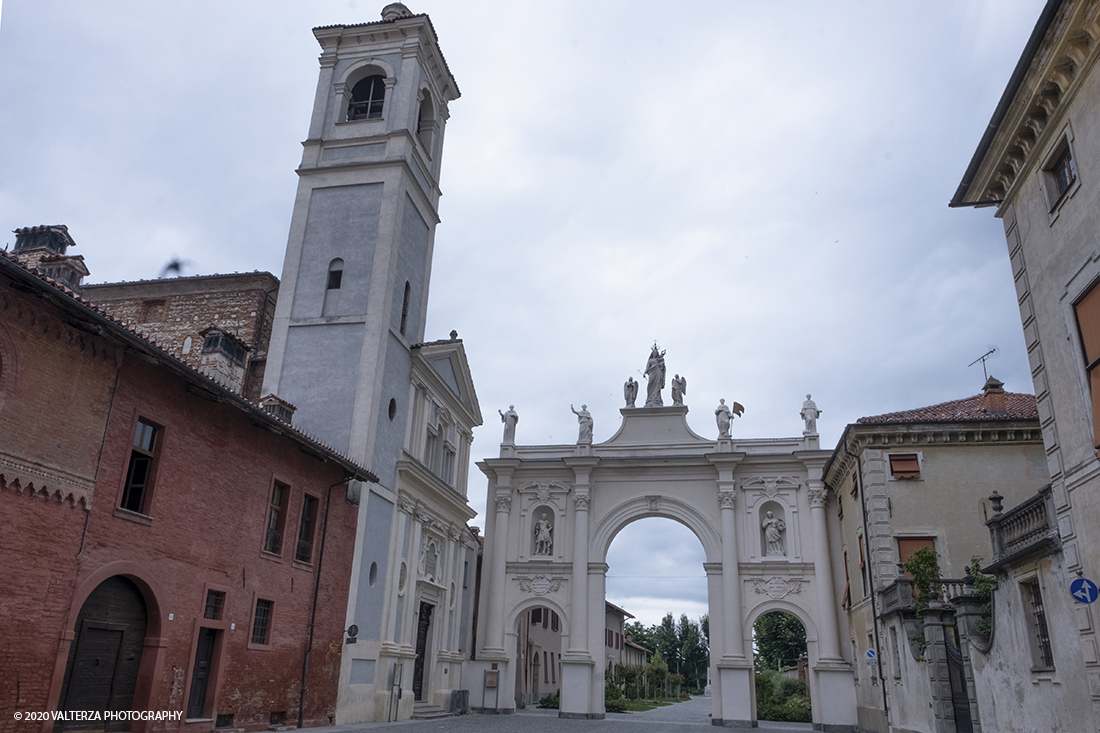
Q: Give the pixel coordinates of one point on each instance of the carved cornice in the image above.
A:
(1055, 77)
(52, 492)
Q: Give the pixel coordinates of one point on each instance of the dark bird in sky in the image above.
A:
(176, 266)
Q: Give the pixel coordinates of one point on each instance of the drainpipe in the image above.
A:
(871, 576)
(313, 612)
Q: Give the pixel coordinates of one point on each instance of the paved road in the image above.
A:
(684, 717)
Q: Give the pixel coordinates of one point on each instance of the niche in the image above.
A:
(772, 519)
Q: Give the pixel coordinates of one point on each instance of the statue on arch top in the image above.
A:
(509, 419)
(679, 389)
(723, 414)
(584, 424)
(655, 376)
(809, 415)
(630, 391)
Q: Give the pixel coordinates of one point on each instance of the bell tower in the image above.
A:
(358, 258)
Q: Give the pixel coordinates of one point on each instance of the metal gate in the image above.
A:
(960, 701)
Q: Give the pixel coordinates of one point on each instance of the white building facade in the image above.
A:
(757, 506)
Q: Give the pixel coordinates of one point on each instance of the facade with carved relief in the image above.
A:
(1038, 163)
(920, 479)
(758, 507)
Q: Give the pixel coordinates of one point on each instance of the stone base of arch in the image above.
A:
(577, 701)
(736, 691)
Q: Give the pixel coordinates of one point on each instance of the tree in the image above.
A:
(779, 640)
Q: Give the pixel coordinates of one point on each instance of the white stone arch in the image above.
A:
(529, 604)
(667, 507)
(784, 606)
(656, 466)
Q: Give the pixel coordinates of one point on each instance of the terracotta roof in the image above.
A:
(183, 278)
(971, 409)
(135, 338)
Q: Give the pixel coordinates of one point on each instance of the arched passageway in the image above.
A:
(756, 507)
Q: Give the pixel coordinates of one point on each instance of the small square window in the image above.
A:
(1058, 175)
(904, 465)
(215, 604)
(261, 623)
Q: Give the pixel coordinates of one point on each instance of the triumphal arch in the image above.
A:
(758, 506)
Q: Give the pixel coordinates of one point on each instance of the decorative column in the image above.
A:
(828, 640)
(731, 577)
(735, 708)
(494, 627)
(404, 511)
(577, 700)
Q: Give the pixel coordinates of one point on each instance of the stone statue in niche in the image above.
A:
(655, 375)
(630, 391)
(544, 539)
(809, 415)
(509, 419)
(584, 420)
(773, 535)
(679, 389)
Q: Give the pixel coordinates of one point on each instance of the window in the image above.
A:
(536, 617)
(1042, 657)
(139, 475)
(908, 545)
(863, 566)
(304, 553)
(215, 603)
(261, 622)
(1059, 173)
(335, 274)
(555, 621)
(405, 308)
(217, 341)
(846, 603)
(439, 444)
(367, 97)
(904, 465)
(855, 485)
(1087, 311)
(276, 515)
(425, 123)
(895, 655)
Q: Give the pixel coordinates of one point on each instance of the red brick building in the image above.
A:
(167, 546)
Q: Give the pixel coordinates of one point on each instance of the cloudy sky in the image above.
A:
(760, 188)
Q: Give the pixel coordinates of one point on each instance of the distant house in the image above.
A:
(167, 545)
(920, 479)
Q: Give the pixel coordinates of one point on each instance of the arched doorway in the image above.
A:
(105, 655)
(757, 507)
(781, 666)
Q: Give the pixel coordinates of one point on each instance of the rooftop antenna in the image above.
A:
(983, 358)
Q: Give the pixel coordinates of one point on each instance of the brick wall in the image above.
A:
(68, 405)
(170, 310)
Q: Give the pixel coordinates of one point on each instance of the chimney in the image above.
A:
(994, 397)
(278, 407)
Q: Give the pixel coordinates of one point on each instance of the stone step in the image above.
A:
(427, 711)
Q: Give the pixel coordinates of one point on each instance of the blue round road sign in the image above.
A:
(1083, 590)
